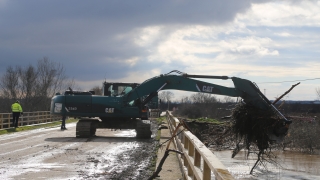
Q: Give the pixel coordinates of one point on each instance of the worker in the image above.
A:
(16, 112)
(63, 123)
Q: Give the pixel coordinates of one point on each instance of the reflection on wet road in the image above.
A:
(291, 165)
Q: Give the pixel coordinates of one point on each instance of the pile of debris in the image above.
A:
(255, 126)
(217, 136)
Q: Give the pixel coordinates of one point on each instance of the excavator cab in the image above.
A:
(116, 89)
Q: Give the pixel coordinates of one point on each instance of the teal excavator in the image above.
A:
(125, 105)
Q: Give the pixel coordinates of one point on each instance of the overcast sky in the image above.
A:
(273, 43)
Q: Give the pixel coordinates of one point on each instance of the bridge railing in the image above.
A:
(198, 162)
(27, 118)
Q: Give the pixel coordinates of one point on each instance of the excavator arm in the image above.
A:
(178, 82)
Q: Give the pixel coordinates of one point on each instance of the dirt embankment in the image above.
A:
(302, 134)
(216, 136)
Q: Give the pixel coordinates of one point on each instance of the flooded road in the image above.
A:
(291, 165)
(54, 154)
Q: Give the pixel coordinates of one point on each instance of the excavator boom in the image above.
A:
(243, 88)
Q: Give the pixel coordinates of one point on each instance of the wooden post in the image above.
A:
(9, 120)
(38, 119)
(197, 158)
(206, 171)
(186, 143)
(190, 172)
(1, 121)
(191, 150)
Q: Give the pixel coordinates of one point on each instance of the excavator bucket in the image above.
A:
(278, 125)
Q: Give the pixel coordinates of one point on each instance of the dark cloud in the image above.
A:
(143, 12)
(82, 35)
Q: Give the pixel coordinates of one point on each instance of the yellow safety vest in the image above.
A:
(16, 107)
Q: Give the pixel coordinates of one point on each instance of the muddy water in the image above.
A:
(290, 165)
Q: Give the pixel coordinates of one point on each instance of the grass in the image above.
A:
(208, 120)
(35, 126)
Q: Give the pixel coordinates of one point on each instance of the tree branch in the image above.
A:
(285, 93)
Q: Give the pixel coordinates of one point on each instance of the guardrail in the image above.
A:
(198, 162)
(27, 118)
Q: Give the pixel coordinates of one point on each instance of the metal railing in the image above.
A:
(27, 118)
(197, 162)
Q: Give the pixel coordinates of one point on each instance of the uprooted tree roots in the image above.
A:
(252, 127)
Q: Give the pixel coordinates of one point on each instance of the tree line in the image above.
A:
(33, 86)
(208, 105)
(196, 105)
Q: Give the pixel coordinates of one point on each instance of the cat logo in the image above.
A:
(207, 89)
(109, 110)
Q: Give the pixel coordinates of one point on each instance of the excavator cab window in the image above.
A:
(105, 89)
(107, 93)
(119, 90)
(114, 90)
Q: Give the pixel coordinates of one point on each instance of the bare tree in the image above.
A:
(10, 83)
(28, 86)
(51, 76)
(318, 92)
(185, 100)
(97, 90)
(166, 96)
(228, 99)
(203, 98)
(33, 86)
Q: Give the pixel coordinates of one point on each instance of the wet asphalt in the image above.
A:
(50, 153)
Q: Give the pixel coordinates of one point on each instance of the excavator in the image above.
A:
(125, 105)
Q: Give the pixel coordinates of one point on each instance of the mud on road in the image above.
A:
(54, 154)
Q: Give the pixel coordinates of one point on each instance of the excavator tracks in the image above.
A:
(85, 128)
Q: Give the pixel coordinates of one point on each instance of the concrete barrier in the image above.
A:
(198, 162)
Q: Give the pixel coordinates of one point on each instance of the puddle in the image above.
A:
(125, 133)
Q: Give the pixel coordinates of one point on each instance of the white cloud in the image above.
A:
(139, 76)
(283, 34)
(147, 36)
(282, 13)
(250, 46)
(132, 61)
(188, 45)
